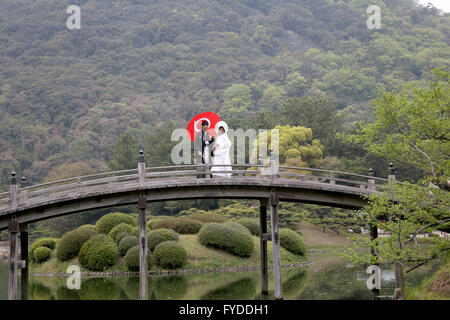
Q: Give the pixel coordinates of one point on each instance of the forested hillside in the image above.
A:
(67, 95)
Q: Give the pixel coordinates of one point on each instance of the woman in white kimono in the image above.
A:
(222, 145)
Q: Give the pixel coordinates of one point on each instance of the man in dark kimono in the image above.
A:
(202, 139)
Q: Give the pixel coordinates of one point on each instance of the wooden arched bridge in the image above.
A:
(27, 204)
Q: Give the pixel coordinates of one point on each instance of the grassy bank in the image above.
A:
(437, 287)
(314, 238)
(199, 257)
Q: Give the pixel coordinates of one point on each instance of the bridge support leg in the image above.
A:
(13, 228)
(373, 235)
(24, 263)
(143, 248)
(274, 200)
(263, 246)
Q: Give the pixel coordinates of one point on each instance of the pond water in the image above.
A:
(330, 277)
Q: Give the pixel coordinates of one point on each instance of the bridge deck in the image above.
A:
(79, 194)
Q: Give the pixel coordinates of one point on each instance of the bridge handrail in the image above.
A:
(338, 172)
(76, 178)
(57, 186)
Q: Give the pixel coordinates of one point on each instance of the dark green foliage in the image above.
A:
(106, 223)
(292, 241)
(251, 224)
(120, 228)
(157, 236)
(180, 225)
(170, 255)
(98, 253)
(127, 243)
(70, 244)
(230, 236)
(132, 259)
(42, 254)
(43, 242)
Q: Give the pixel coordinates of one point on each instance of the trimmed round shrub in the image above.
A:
(292, 241)
(132, 259)
(122, 235)
(70, 244)
(42, 254)
(110, 220)
(135, 232)
(251, 224)
(43, 242)
(157, 236)
(127, 243)
(170, 254)
(231, 237)
(98, 253)
(123, 227)
(180, 225)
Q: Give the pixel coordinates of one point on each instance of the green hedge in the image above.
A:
(251, 224)
(123, 227)
(180, 225)
(42, 254)
(43, 242)
(106, 223)
(203, 216)
(230, 236)
(157, 236)
(122, 235)
(292, 241)
(132, 259)
(126, 244)
(170, 254)
(98, 253)
(70, 244)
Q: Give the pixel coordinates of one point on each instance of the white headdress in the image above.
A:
(221, 124)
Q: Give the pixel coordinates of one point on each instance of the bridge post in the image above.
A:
(373, 230)
(143, 247)
(263, 246)
(274, 201)
(13, 228)
(24, 260)
(23, 193)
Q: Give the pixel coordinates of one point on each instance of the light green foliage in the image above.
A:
(417, 210)
(120, 228)
(126, 244)
(106, 223)
(230, 236)
(41, 254)
(237, 101)
(43, 242)
(132, 259)
(98, 253)
(170, 255)
(292, 241)
(251, 224)
(157, 236)
(296, 146)
(412, 128)
(70, 244)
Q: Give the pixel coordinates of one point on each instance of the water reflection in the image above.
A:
(242, 289)
(326, 279)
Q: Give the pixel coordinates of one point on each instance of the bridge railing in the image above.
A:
(77, 186)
